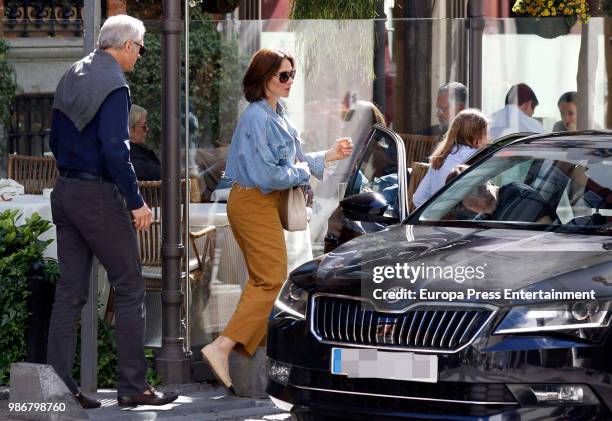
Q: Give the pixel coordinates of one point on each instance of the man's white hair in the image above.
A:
(119, 29)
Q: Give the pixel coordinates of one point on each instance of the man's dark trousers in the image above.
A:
(91, 218)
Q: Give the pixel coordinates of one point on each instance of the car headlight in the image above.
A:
(293, 296)
(292, 300)
(556, 317)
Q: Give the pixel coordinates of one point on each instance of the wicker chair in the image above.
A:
(33, 172)
(417, 172)
(149, 241)
(201, 257)
(418, 147)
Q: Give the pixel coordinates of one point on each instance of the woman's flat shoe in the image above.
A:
(217, 370)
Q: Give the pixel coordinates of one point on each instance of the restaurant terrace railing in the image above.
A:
(41, 18)
(30, 125)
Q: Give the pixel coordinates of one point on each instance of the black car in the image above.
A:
(491, 301)
(387, 174)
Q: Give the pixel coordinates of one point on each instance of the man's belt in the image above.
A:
(83, 175)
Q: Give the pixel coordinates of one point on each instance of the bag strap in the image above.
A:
(299, 154)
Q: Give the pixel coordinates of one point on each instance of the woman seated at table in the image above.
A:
(146, 164)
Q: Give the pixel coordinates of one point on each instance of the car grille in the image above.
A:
(424, 327)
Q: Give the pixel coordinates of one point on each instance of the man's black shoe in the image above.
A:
(150, 398)
(86, 402)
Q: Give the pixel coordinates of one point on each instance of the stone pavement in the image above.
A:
(199, 401)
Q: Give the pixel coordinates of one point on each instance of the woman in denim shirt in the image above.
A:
(262, 163)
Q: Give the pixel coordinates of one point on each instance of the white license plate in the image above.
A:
(372, 363)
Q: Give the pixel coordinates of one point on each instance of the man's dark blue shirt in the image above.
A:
(102, 148)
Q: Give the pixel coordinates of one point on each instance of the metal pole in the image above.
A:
(587, 67)
(187, 188)
(173, 361)
(89, 314)
(476, 27)
(379, 56)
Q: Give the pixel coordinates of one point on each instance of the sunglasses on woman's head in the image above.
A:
(283, 77)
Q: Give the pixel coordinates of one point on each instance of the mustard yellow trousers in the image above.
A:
(253, 217)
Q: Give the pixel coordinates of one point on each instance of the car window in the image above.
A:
(378, 172)
(531, 185)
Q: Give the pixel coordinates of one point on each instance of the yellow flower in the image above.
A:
(550, 3)
(561, 5)
(546, 13)
(566, 11)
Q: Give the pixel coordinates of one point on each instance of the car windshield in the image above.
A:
(547, 185)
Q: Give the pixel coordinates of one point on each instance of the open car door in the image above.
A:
(375, 195)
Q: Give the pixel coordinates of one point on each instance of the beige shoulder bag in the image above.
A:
(292, 207)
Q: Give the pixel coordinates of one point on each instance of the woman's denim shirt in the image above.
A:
(263, 150)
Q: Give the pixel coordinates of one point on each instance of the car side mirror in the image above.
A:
(368, 206)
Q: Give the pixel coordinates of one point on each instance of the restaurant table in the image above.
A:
(28, 204)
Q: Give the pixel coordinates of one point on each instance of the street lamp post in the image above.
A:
(173, 362)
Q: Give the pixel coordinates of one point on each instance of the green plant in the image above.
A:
(571, 10)
(20, 248)
(8, 84)
(333, 23)
(215, 71)
(341, 9)
(107, 358)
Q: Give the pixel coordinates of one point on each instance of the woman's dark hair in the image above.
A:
(264, 64)
(571, 96)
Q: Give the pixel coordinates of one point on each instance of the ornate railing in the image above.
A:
(26, 18)
(30, 125)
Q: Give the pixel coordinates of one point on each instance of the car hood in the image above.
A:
(508, 259)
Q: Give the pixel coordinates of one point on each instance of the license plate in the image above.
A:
(372, 363)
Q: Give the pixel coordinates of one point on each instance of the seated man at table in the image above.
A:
(146, 164)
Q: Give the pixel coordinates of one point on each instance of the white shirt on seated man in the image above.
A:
(517, 114)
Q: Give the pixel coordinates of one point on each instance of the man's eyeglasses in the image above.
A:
(283, 77)
(142, 50)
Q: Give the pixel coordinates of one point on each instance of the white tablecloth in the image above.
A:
(299, 248)
(27, 205)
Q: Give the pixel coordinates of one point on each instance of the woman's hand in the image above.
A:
(342, 148)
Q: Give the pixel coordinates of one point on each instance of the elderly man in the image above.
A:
(517, 114)
(89, 138)
(145, 162)
(451, 99)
